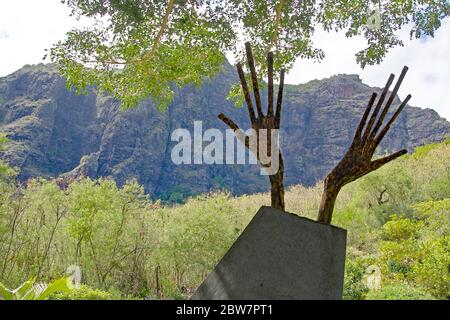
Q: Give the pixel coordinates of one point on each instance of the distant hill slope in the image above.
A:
(54, 131)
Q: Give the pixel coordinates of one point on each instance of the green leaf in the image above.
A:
(24, 289)
(5, 294)
(59, 285)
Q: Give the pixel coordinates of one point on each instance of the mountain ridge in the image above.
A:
(54, 131)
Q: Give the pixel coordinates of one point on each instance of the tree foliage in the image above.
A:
(137, 49)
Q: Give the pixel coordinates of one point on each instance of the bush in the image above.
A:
(83, 293)
(417, 249)
(354, 287)
(399, 292)
(399, 228)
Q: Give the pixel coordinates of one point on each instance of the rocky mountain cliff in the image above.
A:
(55, 131)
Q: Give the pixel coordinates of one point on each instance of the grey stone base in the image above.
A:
(280, 256)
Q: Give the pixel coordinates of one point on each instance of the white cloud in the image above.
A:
(4, 34)
(428, 60)
(27, 27)
(31, 27)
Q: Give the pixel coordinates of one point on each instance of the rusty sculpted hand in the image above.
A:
(263, 125)
(358, 162)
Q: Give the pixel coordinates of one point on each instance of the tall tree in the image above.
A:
(135, 49)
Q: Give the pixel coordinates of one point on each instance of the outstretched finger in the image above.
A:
(389, 102)
(230, 123)
(363, 121)
(233, 126)
(279, 100)
(251, 64)
(377, 109)
(244, 86)
(381, 162)
(384, 131)
(270, 84)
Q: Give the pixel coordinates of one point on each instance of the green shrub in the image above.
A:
(432, 271)
(399, 292)
(83, 293)
(417, 249)
(354, 287)
(399, 228)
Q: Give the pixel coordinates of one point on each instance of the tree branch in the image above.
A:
(277, 24)
(161, 31)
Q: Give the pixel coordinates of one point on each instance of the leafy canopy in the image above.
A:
(135, 49)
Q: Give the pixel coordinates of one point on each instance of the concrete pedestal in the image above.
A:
(280, 256)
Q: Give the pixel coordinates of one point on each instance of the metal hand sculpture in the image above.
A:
(358, 162)
(262, 122)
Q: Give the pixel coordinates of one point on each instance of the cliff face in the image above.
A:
(54, 131)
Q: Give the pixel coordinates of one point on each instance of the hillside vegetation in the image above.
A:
(128, 246)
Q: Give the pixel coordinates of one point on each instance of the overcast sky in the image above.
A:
(27, 27)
